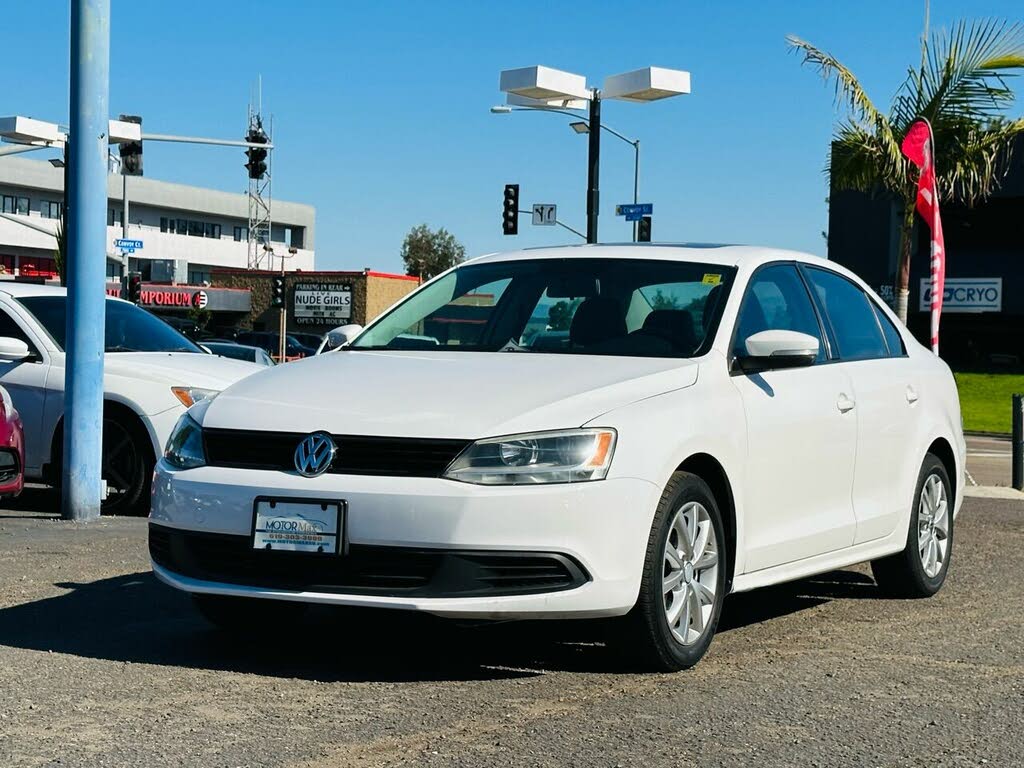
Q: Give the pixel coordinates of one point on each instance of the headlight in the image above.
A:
(185, 446)
(189, 396)
(572, 456)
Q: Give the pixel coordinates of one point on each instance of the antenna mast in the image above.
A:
(259, 185)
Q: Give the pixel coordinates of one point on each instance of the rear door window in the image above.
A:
(850, 314)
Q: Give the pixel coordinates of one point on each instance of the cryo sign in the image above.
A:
(966, 294)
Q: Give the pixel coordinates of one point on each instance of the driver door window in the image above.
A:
(776, 299)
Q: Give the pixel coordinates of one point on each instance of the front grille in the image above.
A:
(357, 454)
(394, 571)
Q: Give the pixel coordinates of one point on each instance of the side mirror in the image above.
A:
(339, 337)
(13, 350)
(775, 349)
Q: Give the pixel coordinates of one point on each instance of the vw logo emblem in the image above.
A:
(314, 454)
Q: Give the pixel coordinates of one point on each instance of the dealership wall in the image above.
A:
(371, 294)
(983, 317)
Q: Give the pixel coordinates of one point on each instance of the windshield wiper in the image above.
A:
(120, 349)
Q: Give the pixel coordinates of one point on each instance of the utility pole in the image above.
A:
(82, 488)
(594, 166)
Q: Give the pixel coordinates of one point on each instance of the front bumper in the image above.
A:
(599, 529)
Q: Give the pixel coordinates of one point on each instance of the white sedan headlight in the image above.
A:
(185, 445)
(570, 456)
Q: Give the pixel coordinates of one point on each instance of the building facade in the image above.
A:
(316, 302)
(187, 232)
(983, 304)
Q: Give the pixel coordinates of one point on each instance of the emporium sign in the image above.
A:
(185, 297)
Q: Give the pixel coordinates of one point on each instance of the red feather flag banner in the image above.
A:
(919, 147)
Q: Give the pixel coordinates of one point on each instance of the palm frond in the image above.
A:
(861, 160)
(964, 74)
(865, 118)
(972, 160)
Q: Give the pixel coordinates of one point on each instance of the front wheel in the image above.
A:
(920, 569)
(683, 583)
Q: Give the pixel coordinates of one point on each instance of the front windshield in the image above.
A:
(630, 307)
(128, 328)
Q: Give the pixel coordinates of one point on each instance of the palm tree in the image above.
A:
(961, 88)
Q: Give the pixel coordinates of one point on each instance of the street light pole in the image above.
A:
(594, 166)
(82, 487)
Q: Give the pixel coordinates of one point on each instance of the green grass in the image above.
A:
(985, 399)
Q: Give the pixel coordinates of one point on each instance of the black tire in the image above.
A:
(903, 574)
(646, 630)
(127, 465)
(248, 616)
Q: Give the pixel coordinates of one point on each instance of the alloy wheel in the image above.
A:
(933, 526)
(690, 574)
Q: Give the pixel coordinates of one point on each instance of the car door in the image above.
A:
(886, 393)
(801, 435)
(25, 381)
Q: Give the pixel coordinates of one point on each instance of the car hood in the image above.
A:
(178, 368)
(442, 394)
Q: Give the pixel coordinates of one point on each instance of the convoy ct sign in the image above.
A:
(966, 294)
(322, 303)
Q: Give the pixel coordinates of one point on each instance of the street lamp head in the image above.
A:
(580, 126)
(500, 109)
(56, 162)
(648, 84)
(543, 84)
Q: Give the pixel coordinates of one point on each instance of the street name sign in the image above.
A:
(544, 214)
(128, 246)
(634, 211)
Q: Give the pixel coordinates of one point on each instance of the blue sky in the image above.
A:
(381, 110)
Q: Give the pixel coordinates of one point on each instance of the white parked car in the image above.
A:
(697, 421)
(151, 375)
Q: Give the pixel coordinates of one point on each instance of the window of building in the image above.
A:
(213, 230)
(15, 204)
(241, 233)
(182, 228)
(113, 270)
(166, 224)
(850, 314)
(49, 209)
(196, 228)
(114, 217)
(199, 276)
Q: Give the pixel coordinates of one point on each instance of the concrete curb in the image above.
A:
(993, 492)
(997, 435)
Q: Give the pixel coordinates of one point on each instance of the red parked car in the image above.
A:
(12, 448)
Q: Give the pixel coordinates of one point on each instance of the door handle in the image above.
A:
(911, 395)
(844, 403)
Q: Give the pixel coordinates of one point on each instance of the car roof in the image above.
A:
(707, 253)
(17, 290)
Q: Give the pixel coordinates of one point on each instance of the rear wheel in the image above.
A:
(683, 584)
(920, 569)
(127, 466)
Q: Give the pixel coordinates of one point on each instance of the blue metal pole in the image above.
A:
(86, 270)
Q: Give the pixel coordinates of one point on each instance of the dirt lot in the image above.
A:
(102, 666)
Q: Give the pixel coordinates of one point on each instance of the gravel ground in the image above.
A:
(102, 666)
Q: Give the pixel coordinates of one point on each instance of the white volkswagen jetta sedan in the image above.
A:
(151, 375)
(576, 432)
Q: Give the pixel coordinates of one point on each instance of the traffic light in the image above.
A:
(510, 213)
(130, 151)
(277, 292)
(257, 156)
(643, 230)
(134, 288)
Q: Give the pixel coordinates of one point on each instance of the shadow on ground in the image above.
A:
(135, 618)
